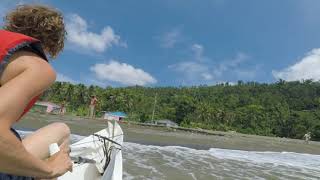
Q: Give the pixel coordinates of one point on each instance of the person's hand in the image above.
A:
(60, 163)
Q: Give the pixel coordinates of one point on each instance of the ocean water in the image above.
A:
(174, 163)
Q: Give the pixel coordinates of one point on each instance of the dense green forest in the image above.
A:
(283, 109)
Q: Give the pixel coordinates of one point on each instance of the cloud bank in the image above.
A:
(80, 36)
(122, 73)
(306, 68)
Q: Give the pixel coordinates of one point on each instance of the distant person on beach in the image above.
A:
(307, 137)
(62, 107)
(92, 106)
(30, 33)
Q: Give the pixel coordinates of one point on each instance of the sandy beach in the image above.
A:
(168, 137)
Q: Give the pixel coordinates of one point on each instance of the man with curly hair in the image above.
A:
(30, 33)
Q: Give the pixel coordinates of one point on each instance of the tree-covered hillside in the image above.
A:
(284, 109)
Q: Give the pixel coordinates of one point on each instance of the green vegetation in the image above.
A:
(284, 109)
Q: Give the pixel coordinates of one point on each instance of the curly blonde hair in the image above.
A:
(41, 22)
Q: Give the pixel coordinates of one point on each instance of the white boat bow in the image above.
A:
(98, 156)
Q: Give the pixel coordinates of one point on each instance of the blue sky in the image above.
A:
(187, 42)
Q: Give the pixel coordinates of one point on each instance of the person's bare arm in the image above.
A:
(26, 76)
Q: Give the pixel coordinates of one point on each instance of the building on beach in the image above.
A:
(115, 115)
(47, 107)
(167, 123)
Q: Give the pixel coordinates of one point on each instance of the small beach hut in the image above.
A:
(47, 107)
(114, 115)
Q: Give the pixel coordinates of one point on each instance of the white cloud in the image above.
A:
(122, 73)
(195, 72)
(198, 52)
(64, 78)
(169, 39)
(202, 69)
(207, 76)
(192, 70)
(79, 35)
(307, 68)
(230, 65)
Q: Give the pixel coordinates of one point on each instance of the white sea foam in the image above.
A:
(277, 158)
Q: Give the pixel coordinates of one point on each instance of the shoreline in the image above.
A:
(220, 133)
(163, 136)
